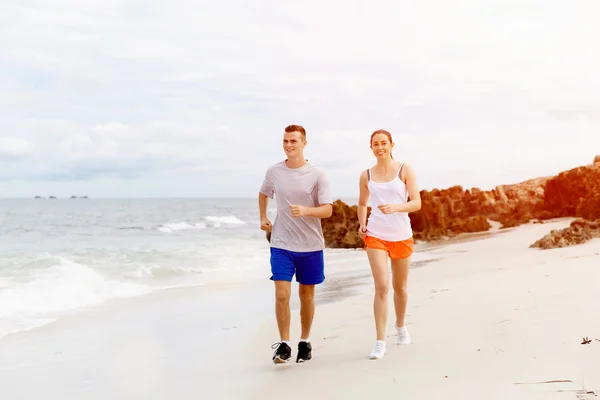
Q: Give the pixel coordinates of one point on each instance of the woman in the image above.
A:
(388, 233)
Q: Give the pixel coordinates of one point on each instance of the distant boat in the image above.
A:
(73, 197)
(52, 197)
(38, 197)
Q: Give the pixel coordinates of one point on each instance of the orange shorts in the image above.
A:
(401, 249)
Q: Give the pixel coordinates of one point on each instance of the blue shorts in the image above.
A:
(309, 267)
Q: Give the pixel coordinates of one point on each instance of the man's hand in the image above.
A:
(298, 211)
(362, 232)
(265, 224)
(389, 208)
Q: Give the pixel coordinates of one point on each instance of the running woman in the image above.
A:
(392, 189)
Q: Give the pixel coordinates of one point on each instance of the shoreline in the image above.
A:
(478, 307)
(333, 289)
(215, 281)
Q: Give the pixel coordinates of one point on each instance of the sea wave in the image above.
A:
(226, 220)
(161, 271)
(62, 287)
(180, 226)
(209, 221)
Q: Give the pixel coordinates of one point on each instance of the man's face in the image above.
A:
(293, 143)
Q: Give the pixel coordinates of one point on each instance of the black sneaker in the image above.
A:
(304, 352)
(283, 353)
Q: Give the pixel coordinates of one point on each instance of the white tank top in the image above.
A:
(390, 227)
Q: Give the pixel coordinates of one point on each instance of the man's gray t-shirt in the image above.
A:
(304, 186)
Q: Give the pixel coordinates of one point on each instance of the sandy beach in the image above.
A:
(489, 318)
(495, 320)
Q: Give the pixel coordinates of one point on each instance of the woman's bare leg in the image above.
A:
(378, 261)
(400, 269)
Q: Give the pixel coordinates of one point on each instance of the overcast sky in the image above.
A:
(189, 98)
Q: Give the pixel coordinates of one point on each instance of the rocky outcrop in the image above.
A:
(575, 193)
(579, 231)
(452, 211)
(341, 230)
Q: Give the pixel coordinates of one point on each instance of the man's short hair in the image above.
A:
(296, 128)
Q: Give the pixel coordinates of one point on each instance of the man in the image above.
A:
(303, 198)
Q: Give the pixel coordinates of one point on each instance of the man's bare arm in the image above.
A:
(322, 211)
(263, 202)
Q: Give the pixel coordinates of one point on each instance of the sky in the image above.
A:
(141, 98)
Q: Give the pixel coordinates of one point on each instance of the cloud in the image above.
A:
(137, 97)
(14, 147)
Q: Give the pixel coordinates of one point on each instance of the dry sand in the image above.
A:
(495, 320)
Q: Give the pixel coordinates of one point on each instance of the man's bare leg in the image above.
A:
(282, 308)
(307, 308)
(307, 313)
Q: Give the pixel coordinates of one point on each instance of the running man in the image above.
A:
(303, 198)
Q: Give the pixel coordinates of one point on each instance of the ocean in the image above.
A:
(63, 255)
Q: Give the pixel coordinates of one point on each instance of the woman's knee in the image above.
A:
(381, 288)
(400, 287)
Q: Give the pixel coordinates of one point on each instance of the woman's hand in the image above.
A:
(362, 232)
(388, 208)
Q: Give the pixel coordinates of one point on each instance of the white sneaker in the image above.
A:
(378, 351)
(403, 336)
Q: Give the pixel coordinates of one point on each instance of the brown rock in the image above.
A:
(447, 213)
(341, 229)
(477, 223)
(575, 193)
(579, 231)
(454, 210)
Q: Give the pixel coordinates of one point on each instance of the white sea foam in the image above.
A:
(64, 287)
(208, 221)
(180, 226)
(161, 270)
(226, 220)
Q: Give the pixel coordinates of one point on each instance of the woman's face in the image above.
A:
(381, 146)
